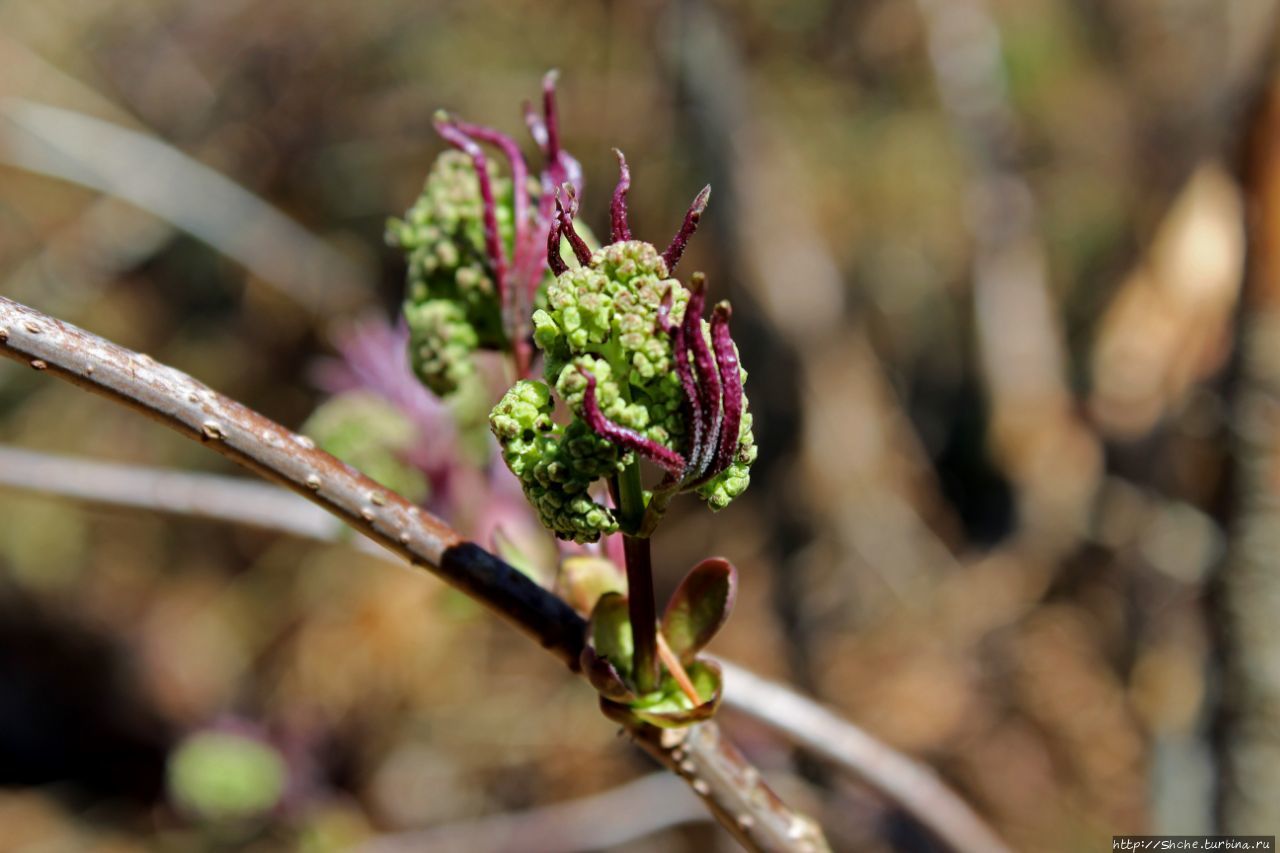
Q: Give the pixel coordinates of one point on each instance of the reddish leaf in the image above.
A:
(699, 607)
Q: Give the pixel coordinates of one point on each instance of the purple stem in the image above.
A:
(690, 224)
(618, 210)
(641, 611)
(627, 439)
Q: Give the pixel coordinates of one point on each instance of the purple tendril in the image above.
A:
(618, 210)
(549, 113)
(554, 260)
(693, 404)
(580, 249)
(627, 439)
(730, 383)
(522, 243)
(690, 224)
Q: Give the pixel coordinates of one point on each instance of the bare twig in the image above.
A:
(912, 785)
(209, 496)
(731, 788)
(618, 816)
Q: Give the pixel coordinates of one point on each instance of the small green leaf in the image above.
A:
(670, 708)
(585, 578)
(609, 631)
(699, 607)
(606, 657)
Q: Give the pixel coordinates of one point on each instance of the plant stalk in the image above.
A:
(640, 597)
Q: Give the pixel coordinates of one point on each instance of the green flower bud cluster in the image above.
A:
(607, 318)
(604, 318)
(451, 303)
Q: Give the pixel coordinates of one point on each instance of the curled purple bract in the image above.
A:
(627, 439)
(730, 384)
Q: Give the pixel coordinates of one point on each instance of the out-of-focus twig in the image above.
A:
(156, 177)
(730, 787)
(1166, 330)
(909, 783)
(602, 821)
(208, 496)
(899, 778)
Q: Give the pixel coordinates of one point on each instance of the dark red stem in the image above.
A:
(513, 307)
(492, 240)
(641, 611)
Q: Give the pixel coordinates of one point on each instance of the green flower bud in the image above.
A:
(556, 465)
(625, 347)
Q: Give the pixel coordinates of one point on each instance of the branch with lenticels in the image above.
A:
(731, 788)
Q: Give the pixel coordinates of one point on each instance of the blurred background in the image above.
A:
(1006, 277)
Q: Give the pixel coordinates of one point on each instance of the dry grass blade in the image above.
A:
(158, 178)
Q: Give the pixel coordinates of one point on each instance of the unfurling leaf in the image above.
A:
(584, 578)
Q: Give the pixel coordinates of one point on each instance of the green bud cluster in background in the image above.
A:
(451, 304)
